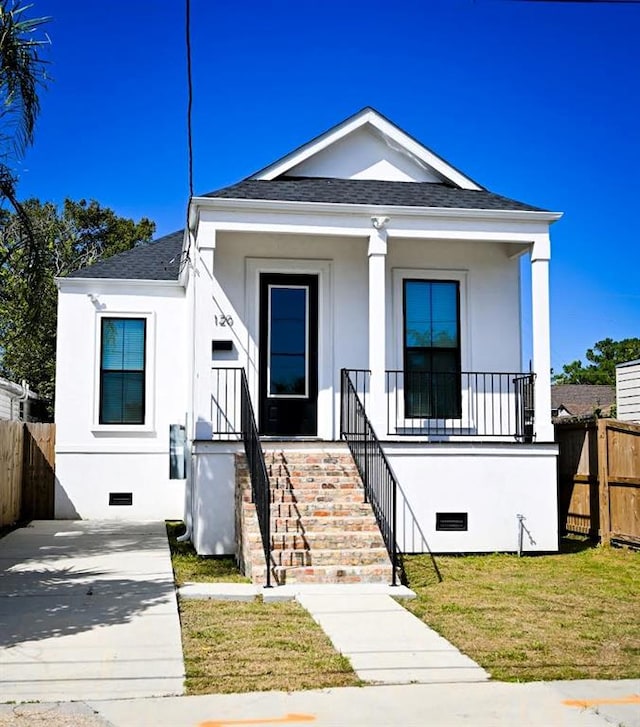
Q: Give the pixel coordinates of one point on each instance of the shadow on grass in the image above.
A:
(188, 566)
(576, 544)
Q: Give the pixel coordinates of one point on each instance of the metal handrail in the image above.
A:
(260, 491)
(380, 485)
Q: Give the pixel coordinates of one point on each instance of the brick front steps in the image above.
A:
(322, 531)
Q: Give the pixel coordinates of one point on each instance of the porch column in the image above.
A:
(377, 404)
(540, 256)
(203, 256)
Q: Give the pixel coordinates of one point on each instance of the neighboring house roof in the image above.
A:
(159, 260)
(582, 400)
(368, 191)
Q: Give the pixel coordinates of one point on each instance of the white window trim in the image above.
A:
(399, 275)
(149, 378)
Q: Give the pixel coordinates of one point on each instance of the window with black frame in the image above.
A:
(432, 386)
(122, 370)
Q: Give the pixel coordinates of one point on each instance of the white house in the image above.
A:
(628, 391)
(360, 251)
(18, 402)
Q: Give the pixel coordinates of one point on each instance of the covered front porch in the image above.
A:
(420, 406)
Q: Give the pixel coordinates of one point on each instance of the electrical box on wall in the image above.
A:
(177, 452)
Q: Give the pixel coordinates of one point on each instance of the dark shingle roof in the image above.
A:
(582, 400)
(368, 192)
(159, 260)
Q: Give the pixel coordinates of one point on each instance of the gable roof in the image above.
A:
(392, 134)
(582, 400)
(369, 191)
(159, 260)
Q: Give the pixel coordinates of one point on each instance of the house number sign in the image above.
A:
(223, 320)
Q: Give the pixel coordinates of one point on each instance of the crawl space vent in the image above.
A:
(121, 498)
(451, 521)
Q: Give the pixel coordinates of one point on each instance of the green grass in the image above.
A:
(574, 615)
(188, 566)
(232, 646)
(256, 646)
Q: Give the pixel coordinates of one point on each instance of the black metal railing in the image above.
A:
(257, 471)
(480, 404)
(226, 403)
(380, 485)
(233, 418)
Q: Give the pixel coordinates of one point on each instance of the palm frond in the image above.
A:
(22, 70)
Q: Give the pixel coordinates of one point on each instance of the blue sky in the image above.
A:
(538, 101)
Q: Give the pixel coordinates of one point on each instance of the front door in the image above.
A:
(288, 354)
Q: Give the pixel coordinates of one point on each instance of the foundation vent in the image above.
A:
(454, 521)
(121, 498)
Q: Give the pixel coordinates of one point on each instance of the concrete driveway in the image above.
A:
(88, 610)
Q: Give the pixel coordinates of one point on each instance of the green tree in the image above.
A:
(602, 359)
(78, 235)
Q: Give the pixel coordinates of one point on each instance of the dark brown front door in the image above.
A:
(288, 354)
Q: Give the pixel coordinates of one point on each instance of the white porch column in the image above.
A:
(377, 404)
(540, 256)
(203, 257)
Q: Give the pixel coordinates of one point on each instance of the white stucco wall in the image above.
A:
(212, 506)
(93, 460)
(493, 484)
(628, 391)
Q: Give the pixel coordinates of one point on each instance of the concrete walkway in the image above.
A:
(384, 642)
(88, 611)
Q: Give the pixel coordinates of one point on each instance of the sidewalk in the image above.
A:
(88, 611)
(485, 704)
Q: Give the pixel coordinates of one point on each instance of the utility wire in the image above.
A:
(186, 257)
(583, 2)
(189, 95)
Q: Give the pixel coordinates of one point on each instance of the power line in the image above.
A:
(189, 95)
(583, 2)
(186, 257)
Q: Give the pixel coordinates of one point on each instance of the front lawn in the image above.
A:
(232, 646)
(256, 646)
(575, 615)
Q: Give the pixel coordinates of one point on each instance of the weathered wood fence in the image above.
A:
(599, 480)
(27, 471)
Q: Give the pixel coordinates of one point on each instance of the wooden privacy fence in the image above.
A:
(599, 479)
(27, 471)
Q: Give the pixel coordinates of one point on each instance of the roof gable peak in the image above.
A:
(367, 145)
